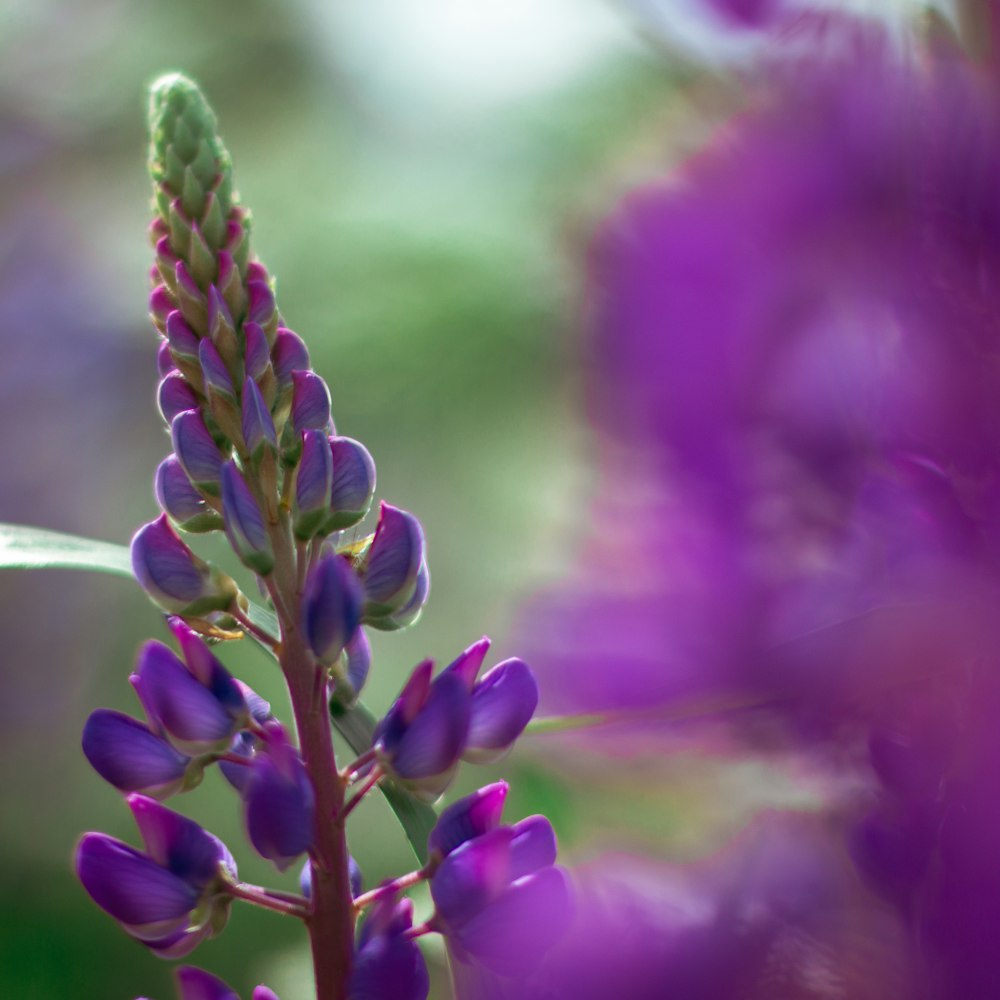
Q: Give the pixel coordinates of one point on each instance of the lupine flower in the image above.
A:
(310, 402)
(278, 800)
(196, 984)
(503, 702)
(174, 577)
(133, 758)
(391, 567)
(171, 897)
(386, 962)
(500, 899)
(256, 422)
(421, 738)
(175, 395)
(198, 714)
(331, 607)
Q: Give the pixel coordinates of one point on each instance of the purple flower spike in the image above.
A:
(182, 339)
(217, 377)
(132, 758)
(175, 395)
(196, 450)
(244, 522)
(173, 576)
(467, 819)
(257, 355)
(279, 802)
(256, 421)
(195, 984)
(422, 736)
(178, 498)
(288, 355)
(392, 563)
(503, 703)
(310, 402)
(353, 483)
(191, 714)
(331, 607)
(312, 484)
(387, 963)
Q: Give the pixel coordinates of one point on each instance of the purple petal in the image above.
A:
(175, 395)
(312, 483)
(512, 934)
(503, 703)
(331, 607)
(166, 568)
(182, 339)
(359, 659)
(288, 355)
(393, 561)
(195, 984)
(257, 355)
(279, 805)
(467, 819)
(126, 754)
(164, 360)
(177, 843)
(176, 700)
(255, 419)
(469, 662)
(214, 369)
(533, 846)
(244, 745)
(263, 993)
(472, 876)
(176, 945)
(160, 304)
(131, 887)
(310, 402)
(260, 307)
(178, 497)
(353, 482)
(244, 521)
(196, 450)
(411, 610)
(388, 964)
(432, 743)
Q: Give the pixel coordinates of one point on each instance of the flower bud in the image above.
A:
(278, 800)
(312, 484)
(182, 339)
(410, 612)
(197, 451)
(392, 564)
(164, 359)
(132, 758)
(422, 736)
(256, 423)
(310, 402)
(257, 355)
(174, 577)
(216, 375)
(221, 328)
(196, 984)
(190, 299)
(197, 716)
(353, 484)
(160, 305)
(261, 308)
(244, 523)
(331, 607)
(289, 354)
(178, 498)
(175, 395)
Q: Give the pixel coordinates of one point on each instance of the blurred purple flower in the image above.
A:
(387, 963)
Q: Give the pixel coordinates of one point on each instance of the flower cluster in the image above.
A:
(255, 455)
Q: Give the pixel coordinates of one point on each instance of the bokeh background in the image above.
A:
(427, 178)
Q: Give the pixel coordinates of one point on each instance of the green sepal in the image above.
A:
(213, 223)
(184, 142)
(174, 170)
(163, 198)
(200, 259)
(192, 194)
(180, 229)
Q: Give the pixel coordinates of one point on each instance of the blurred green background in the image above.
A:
(424, 175)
